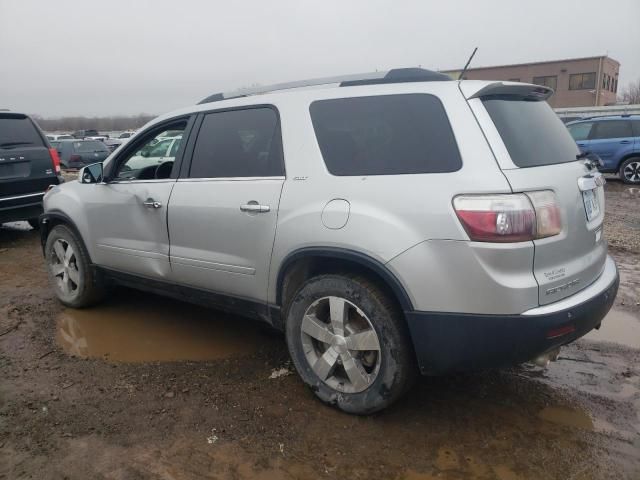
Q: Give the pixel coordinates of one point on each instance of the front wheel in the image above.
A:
(70, 273)
(349, 343)
(630, 171)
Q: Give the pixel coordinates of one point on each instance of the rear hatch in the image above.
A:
(26, 165)
(535, 152)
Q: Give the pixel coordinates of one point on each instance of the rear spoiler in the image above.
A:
(524, 91)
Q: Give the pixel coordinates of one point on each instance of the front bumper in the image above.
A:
(450, 342)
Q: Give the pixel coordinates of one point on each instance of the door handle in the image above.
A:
(254, 207)
(151, 203)
(625, 142)
(581, 144)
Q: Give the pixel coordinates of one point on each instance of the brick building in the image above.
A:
(578, 82)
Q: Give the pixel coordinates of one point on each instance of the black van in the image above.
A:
(28, 165)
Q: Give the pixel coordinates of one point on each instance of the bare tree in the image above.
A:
(102, 124)
(631, 93)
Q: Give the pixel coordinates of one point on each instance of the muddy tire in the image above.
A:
(74, 281)
(630, 171)
(349, 343)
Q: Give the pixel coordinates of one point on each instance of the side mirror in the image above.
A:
(91, 173)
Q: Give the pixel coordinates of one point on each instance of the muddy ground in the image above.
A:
(144, 387)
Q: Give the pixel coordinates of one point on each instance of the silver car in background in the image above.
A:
(389, 224)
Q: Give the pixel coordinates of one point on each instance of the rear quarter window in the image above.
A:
(531, 131)
(18, 131)
(385, 135)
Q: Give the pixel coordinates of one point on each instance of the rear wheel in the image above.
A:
(630, 171)
(70, 273)
(349, 343)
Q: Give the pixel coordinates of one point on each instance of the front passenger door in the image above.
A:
(128, 213)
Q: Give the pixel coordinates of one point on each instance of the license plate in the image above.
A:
(591, 204)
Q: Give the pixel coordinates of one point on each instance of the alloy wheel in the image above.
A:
(64, 267)
(340, 344)
(632, 172)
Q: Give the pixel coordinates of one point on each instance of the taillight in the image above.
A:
(55, 159)
(75, 158)
(510, 217)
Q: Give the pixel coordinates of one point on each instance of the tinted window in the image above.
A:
(18, 131)
(90, 146)
(385, 135)
(580, 131)
(636, 127)
(238, 143)
(612, 129)
(531, 131)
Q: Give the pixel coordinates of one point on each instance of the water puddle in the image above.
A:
(618, 327)
(567, 416)
(138, 327)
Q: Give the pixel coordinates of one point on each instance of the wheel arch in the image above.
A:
(303, 263)
(53, 218)
(635, 154)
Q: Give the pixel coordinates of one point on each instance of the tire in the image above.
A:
(34, 223)
(630, 171)
(389, 371)
(85, 287)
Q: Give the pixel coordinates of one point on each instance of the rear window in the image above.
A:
(18, 131)
(531, 131)
(90, 146)
(385, 135)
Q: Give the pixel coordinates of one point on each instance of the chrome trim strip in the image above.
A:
(607, 277)
(28, 195)
(228, 179)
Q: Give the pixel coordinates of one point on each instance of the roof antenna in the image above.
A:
(467, 65)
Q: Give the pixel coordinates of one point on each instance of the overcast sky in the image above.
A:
(108, 57)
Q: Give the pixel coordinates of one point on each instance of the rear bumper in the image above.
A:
(450, 342)
(20, 207)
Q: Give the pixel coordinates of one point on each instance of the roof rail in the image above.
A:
(622, 115)
(396, 75)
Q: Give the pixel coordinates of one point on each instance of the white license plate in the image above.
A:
(591, 204)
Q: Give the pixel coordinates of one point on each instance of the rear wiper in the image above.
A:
(11, 144)
(582, 155)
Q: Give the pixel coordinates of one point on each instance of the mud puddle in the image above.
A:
(618, 327)
(139, 327)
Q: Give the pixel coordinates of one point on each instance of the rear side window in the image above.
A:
(636, 127)
(531, 131)
(238, 143)
(18, 131)
(385, 135)
(90, 146)
(580, 131)
(612, 129)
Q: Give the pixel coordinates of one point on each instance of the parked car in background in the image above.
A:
(81, 134)
(78, 153)
(59, 136)
(113, 143)
(126, 135)
(394, 220)
(28, 166)
(615, 139)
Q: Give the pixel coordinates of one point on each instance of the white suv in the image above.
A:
(383, 222)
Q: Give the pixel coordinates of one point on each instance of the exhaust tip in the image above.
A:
(544, 359)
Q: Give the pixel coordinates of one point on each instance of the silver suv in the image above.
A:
(389, 223)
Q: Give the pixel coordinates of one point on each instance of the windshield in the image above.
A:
(90, 146)
(531, 131)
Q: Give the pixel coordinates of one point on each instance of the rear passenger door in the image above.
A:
(610, 139)
(223, 210)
